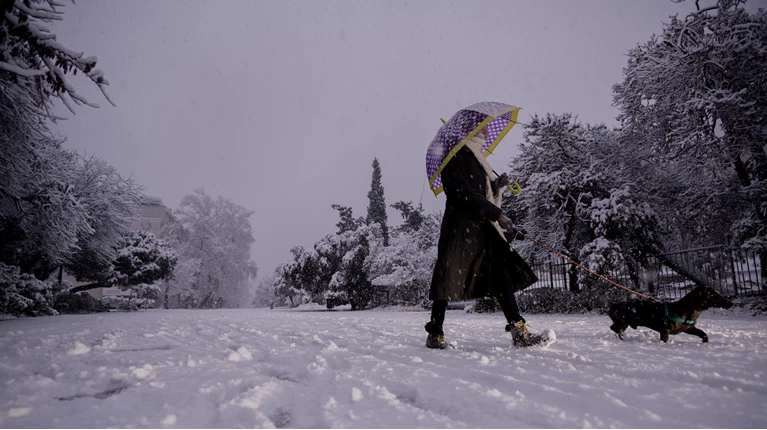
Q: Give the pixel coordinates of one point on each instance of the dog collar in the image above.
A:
(675, 319)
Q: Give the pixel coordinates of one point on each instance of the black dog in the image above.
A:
(667, 318)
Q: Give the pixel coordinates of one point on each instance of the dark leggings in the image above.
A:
(500, 278)
(507, 301)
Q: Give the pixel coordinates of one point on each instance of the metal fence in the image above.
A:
(671, 275)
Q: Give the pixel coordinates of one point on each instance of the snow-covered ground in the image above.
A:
(263, 368)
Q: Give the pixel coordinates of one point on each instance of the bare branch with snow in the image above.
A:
(31, 51)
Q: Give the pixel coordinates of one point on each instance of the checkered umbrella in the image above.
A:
(465, 124)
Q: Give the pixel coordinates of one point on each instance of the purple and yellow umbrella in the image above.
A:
(499, 118)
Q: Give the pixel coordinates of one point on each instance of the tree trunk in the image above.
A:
(130, 298)
(634, 274)
(742, 172)
(763, 270)
(39, 269)
(649, 275)
(205, 301)
(87, 287)
(352, 301)
(572, 279)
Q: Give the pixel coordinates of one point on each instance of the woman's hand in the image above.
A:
(505, 222)
(502, 181)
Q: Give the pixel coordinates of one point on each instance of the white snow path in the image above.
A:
(281, 368)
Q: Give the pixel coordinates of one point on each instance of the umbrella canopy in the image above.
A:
(499, 118)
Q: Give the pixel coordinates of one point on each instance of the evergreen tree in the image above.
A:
(413, 216)
(347, 221)
(377, 207)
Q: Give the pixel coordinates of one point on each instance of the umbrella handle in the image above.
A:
(515, 188)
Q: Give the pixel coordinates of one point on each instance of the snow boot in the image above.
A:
(436, 341)
(436, 338)
(522, 337)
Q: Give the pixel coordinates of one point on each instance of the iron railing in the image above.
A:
(671, 275)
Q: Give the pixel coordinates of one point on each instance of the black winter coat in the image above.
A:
(468, 241)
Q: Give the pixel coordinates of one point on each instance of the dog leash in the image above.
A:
(585, 268)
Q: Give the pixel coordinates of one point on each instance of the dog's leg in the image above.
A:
(664, 336)
(697, 332)
(618, 329)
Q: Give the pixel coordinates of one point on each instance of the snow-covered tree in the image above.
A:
(41, 215)
(31, 56)
(697, 96)
(217, 232)
(141, 261)
(558, 180)
(142, 258)
(335, 270)
(351, 278)
(181, 281)
(405, 267)
(56, 207)
(307, 276)
(112, 203)
(264, 295)
(377, 205)
(283, 288)
(580, 197)
(309, 272)
(412, 216)
(355, 266)
(625, 230)
(346, 220)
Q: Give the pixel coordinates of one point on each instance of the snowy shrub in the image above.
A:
(484, 305)
(120, 303)
(601, 255)
(22, 294)
(548, 301)
(597, 298)
(333, 299)
(77, 303)
(758, 305)
(146, 295)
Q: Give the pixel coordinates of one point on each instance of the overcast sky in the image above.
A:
(281, 106)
